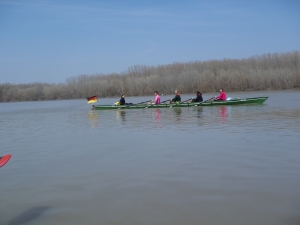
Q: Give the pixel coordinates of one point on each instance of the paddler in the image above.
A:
(177, 97)
(198, 97)
(157, 98)
(222, 96)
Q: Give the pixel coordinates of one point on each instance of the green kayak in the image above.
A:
(235, 101)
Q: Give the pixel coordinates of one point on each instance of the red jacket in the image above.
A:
(222, 96)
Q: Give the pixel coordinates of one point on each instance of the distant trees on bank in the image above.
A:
(265, 72)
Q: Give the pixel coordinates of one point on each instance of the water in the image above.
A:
(211, 165)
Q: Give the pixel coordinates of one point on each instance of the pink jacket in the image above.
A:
(222, 96)
(157, 99)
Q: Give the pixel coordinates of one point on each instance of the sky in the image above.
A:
(49, 41)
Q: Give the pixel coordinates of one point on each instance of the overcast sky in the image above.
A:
(49, 41)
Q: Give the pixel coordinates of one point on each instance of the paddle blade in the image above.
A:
(4, 159)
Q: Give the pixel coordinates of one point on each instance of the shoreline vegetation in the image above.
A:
(277, 71)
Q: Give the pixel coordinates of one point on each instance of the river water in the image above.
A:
(211, 165)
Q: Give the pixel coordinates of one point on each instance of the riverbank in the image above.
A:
(265, 72)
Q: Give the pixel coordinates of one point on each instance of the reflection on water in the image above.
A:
(222, 114)
(93, 118)
(199, 112)
(177, 113)
(158, 112)
(121, 114)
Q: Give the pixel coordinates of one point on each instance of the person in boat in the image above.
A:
(157, 98)
(177, 97)
(122, 100)
(222, 96)
(198, 97)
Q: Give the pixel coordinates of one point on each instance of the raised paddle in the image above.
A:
(4, 159)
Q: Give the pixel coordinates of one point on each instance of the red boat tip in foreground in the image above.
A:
(4, 159)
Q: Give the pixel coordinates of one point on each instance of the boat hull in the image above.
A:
(236, 101)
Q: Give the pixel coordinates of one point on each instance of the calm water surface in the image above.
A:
(211, 165)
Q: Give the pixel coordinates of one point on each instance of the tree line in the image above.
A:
(275, 71)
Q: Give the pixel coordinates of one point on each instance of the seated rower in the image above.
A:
(222, 96)
(198, 98)
(177, 97)
(122, 100)
(157, 98)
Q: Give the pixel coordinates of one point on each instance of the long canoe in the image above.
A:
(235, 101)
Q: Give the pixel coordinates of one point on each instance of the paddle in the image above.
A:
(186, 100)
(143, 102)
(209, 99)
(165, 101)
(4, 159)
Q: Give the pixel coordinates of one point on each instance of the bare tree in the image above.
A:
(275, 71)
